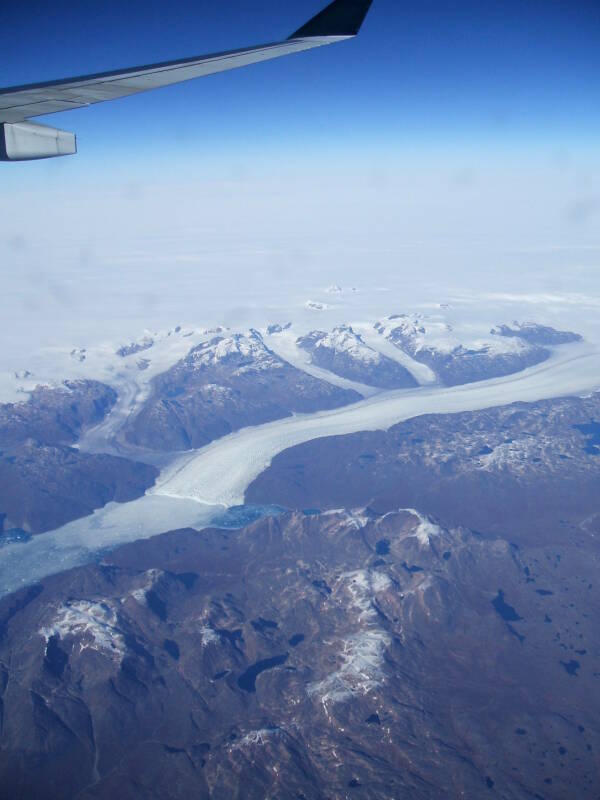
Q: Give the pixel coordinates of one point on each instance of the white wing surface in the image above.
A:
(21, 140)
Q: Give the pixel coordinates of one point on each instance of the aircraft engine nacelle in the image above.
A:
(28, 141)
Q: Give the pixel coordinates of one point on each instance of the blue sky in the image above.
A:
(449, 148)
(428, 76)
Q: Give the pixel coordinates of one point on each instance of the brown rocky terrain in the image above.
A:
(321, 657)
(55, 415)
(526, 472)
(45, 482)
(44, 487)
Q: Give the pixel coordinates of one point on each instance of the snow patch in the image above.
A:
(94, 624)
(358, 518)
(208, 636)
(426, 529)
(515, 455)
(360, 673)
(362, 652)
(150, 578)
(258, 738)
(216, 392)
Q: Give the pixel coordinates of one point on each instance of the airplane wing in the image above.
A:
(22, 140)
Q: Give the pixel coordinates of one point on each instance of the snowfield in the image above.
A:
(417, 333)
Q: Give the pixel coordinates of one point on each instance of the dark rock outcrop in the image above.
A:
(536, 334)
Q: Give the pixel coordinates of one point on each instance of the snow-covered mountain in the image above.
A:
(534, 333)
(222, 385)
(242, 351)
(455, 360)
(345, 353)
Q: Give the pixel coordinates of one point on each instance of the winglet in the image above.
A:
(340, 18)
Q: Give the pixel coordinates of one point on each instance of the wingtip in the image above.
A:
(340, 18)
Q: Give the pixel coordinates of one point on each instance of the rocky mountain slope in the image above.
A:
(331, 656)
(44, 486)
(536, 334)
(55, 415)
(527, 471)
(344, 352)
(222, 385)
(44, 481)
